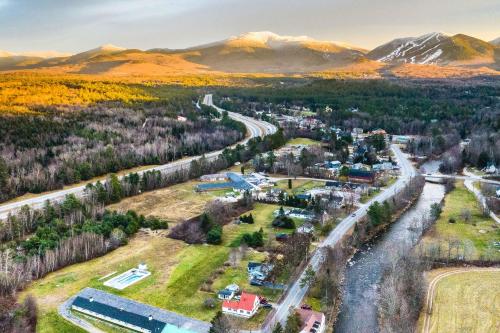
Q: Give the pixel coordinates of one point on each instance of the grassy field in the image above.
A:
(51, 322)
(302, 141)
(478, 233)
(299, 185)
(178, 272)
(160, 253)
(465, 302)
(173, 203)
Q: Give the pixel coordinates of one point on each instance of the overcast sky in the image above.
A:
(77, 25)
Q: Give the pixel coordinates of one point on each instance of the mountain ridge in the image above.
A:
(267, 52)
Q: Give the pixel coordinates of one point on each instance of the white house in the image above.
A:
(225, 294)
(245, 307)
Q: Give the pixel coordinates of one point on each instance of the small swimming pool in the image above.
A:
(127, 278)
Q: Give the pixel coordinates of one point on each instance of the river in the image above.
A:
(358, 313)
(431, 166)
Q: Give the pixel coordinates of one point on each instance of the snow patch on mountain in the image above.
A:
(273, 40)
(416, 49)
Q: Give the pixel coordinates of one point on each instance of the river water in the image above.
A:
(431, 166)
(358, 313)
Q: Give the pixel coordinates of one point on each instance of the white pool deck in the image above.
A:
(127, 278)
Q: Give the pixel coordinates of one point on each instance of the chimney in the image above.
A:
(91, 299)
(150, 317)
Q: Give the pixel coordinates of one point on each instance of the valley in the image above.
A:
(235, 167)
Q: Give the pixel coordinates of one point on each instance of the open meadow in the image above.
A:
(173, 203)
(179, 272)
(463, 300)
(462, 230)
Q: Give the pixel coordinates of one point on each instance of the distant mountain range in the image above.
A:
(266, 52)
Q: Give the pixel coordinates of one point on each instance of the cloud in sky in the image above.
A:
(75, 25)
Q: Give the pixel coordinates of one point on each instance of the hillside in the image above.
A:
(495, 42)
(437, 48)
(271, 54)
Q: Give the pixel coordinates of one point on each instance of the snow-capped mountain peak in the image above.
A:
(267, 37)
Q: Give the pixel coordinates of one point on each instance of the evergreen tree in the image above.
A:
(482, 160)
(277, 328)
(214, 236)
(116, 189)
(271, 158)
(293, 323)
(4, 173)
(206, 223)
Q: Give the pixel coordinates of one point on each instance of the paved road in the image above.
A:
(469, 184)
(296, 293)
(254, 128)
(468, 176)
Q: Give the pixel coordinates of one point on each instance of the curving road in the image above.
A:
(255, 128)
(296, 293)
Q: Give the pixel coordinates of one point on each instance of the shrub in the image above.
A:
(247, 219)
(209, 303)
(154, 223)
(451, 220)
(188, 231)
(255, 239)
(285, 222)
(214, 236)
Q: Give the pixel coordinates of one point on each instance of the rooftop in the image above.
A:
(132, 310)
(246, 302)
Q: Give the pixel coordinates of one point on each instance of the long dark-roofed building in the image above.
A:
(120, 317)
(133, 315)
(236, 182)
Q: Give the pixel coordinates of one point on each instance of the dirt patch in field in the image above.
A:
(174, 203)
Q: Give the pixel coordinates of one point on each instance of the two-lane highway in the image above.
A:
(255, 128)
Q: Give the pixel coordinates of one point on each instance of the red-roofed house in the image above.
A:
(246, 307)
(312, 321)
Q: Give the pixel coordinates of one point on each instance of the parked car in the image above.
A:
(266, 306)
(281, 237)
(255, 282)
(306, 307)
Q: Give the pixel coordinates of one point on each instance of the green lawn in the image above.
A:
(178, 272)
(299, 185)
(51, 322)
(302, 141)
(478, 234)
(369, 195)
